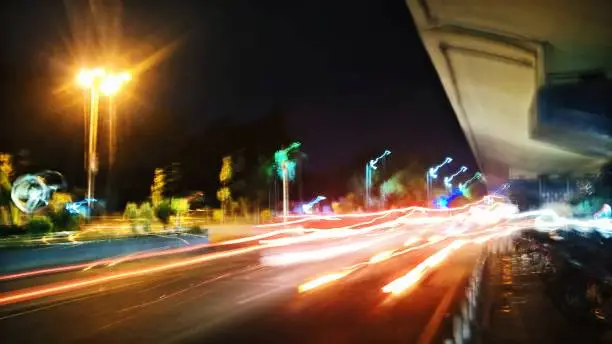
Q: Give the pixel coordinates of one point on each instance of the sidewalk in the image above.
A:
(518, 310)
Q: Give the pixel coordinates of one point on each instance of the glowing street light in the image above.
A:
(371, 166)
(463, 186)
(87, 78)
(501, 189)
(287, 171)
(448, 179)
(307, 208)
(432, 173)
(112, 83)
(98, 80)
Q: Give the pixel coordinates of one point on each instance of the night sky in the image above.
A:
(351, 76)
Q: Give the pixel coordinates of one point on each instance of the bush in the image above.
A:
(39, 225)
(145, 215)
(131, 211)
(218, 214)
(63, 220)
(265, 215)
(197, 230)
(163, 211)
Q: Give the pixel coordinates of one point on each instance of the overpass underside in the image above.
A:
(495, 58)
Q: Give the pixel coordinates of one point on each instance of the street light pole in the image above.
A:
(281, 157)
(285, 192)
(112, 149)
(95, 81)
(449, 179)
(370, 166)
(465, 185)
(368, 181)
(92, 165)
(427, 187)
(431, 174)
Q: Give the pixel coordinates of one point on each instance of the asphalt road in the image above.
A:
(238, 300)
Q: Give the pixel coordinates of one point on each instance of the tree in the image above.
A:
(226, 173)
(131, 213)
(197, 200)
(5, 198)
(6, 164)
(146, 215)
(10, 213)
(172, 179)
(405, 187)
(225, 176)
(157, 188)
(63, 220)
(39, 225)
(179, 207)
(346, 204)
(58, 201)
(244, 205)
(260, 181)
(139, 215)
(163, 211)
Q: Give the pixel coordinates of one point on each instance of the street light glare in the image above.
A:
(85, 78)
(108, 83)
(111, 84)
(125, 76)
(98, 80)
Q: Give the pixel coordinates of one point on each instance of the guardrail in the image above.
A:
(463, 323)
(465, 320)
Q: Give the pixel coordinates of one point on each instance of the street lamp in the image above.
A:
(97, 80)
(432, 173)
(448, 179)
(287, 171)
(307, 208)
(463, 186)
(110, 87)
(370, 167)
(501, 189)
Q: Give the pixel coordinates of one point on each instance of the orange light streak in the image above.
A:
(144, 255)
(403, 283)
(323, 280)
(412, 210)
(56, 288)
(380, 257)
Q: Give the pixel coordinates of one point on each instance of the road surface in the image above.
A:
(237, 299)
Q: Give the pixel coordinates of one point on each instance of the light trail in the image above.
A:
(315, 234)
(375, 259)
(349, 230)
(413, 209)
(494, 229)
(322, 254)
(400, 285)
(56, 288)
(335, 233)
(144, 255)
(481, 237)
(321, 281)
(403, 283)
